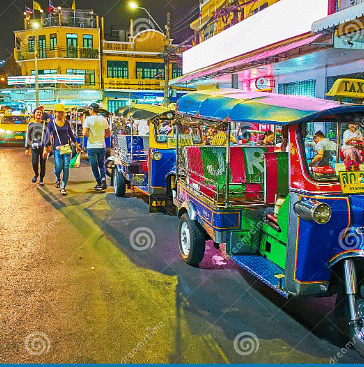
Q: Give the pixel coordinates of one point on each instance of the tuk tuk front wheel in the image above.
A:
(119, 183)
(191, 240)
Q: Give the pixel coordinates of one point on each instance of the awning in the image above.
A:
(341, 17)
(239, 64)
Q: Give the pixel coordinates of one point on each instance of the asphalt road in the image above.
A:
(92, 278)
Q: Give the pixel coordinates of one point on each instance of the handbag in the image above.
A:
(65, 148)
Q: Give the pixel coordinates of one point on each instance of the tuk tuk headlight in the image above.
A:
(313, 211)
(156, 156)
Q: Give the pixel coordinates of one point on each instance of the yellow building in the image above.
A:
(68, 57)
(226, 14)
(77, 65)
(133, 70)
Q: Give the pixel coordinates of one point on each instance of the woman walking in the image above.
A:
(34, 145)
(60, 130)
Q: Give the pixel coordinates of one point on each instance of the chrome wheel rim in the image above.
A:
(185, 239)
(115, 182)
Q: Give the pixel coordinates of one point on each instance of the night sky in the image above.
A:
(115, 12)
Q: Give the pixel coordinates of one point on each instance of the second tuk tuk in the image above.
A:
(143, 160)
(289, 213)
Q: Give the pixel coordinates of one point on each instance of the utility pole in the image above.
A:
(166, 60)
(36, 69)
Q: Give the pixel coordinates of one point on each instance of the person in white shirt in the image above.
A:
(352, 150)
(96, 129)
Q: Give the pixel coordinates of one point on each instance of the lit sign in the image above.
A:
(283, 20)
(47, 79)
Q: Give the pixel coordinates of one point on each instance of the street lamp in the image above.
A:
(167, 37)
(136, 6)
(35, 26)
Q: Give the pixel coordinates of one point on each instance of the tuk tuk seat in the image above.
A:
(276, 175)
(206, 168)
(123, 145)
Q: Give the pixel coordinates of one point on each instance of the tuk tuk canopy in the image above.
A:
(141, 111)
(261, 107)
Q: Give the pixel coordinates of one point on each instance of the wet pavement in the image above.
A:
(92, 278)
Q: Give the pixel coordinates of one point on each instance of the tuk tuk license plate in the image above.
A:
(352, 182)
(19, 137)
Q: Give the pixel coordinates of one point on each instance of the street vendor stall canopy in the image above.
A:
(259, 107)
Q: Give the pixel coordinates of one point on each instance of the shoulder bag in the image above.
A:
(65, 148)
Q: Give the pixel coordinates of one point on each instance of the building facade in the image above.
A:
(276, 48)
(77, 65)
(68, 58)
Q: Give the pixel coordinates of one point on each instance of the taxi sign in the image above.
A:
(351, 88)
(182, 141)
(352, 182)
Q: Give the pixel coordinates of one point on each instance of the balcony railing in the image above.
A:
(116, 46)
(69, 53)
(115, 83)
(66, 19)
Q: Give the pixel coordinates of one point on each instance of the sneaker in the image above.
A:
(34, 179)
(41, 183)
(57, 184)
(103, 184)
(98, 188)
(63, 191)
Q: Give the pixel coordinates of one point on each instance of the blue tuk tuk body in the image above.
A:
(145, 164)
(295, 225)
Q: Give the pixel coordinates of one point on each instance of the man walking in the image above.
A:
(96, 129)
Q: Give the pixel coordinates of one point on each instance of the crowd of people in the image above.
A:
(51, 134)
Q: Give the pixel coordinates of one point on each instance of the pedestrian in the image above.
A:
(96, 129)
(60, 130)
(34, 144)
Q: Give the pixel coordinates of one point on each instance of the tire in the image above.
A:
(119, 183)
(191, 240)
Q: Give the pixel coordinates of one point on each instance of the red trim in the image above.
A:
(332, 7)
(272, 177)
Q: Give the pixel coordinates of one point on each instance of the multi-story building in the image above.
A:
(286, 46)
(68, 58)
(77, 65)
(133, 69)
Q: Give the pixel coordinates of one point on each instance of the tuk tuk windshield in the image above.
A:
(330, 147)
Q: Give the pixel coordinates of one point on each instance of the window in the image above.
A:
(31, 42)
(321, 149)
(149, 70)
(45, 72)
(87, 41)
(305, 88)
(176, 71)
(89, 75)
(114, 105)
(53, 41)
(72, 45)
(117, 69)
(42, 47)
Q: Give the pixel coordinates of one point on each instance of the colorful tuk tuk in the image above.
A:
(142, 158)
(289, 213)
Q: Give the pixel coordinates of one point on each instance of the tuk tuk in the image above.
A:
(289, 212)
(142, 158)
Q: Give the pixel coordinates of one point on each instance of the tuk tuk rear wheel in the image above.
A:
(191, 240)
(119, 183)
